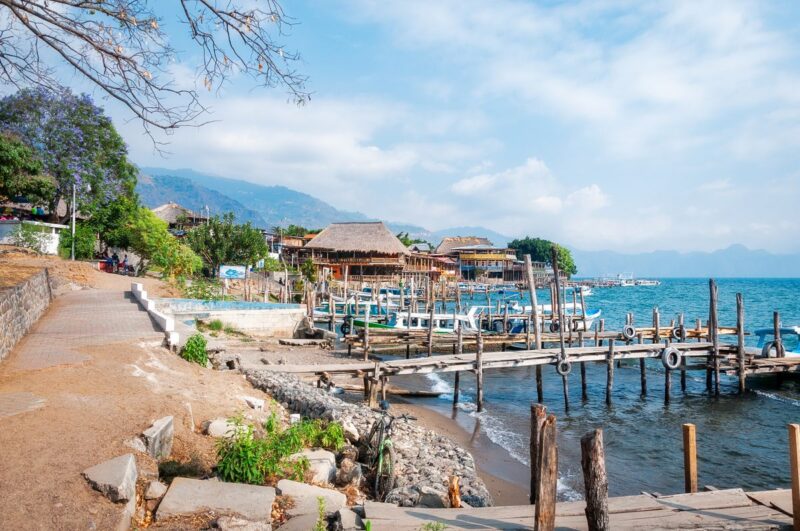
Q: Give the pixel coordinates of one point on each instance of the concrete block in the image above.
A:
(158, 437)
(301, 522)
(188, 496)
(321, 464)
(115, 478)
(232, 523)
(348, 520)
(305, 497)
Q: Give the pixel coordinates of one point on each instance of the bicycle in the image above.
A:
(379, 451)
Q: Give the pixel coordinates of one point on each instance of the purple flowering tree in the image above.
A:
(76, 143)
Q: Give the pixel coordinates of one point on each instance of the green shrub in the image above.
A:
(29, 236)
(84, 242)
(245, 458)
(216, 325)
(195, 350)
(199, 288)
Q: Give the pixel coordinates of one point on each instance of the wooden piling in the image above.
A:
(776, 325)
(740, 353)
(537, 326)
(584, 393)
(656, 325)
(479, 370)
(595, 480)
(366, 331)
(373, 389)
(456, 379)
(667, 385)
(794, 462)
(539, 386)
(610, 371)
(682, 328)
(538, 416)
(642, 368)
(546, 490)
(689, 458)
(714, 326)
(430, 331)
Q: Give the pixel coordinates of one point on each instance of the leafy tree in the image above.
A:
(122, 48)
(294, 230)
(308, 270)
(149, 238)
(76, 143)
(222, 241)
(85, 238)
(541, 251)
(407, 240)
(20, 173)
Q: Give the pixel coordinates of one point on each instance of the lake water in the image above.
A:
(742, 440)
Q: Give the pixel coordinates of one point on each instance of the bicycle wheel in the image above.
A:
(369, 446)
(384, 472)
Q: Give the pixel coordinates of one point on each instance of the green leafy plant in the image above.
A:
(433, 526)
(195, 350)
(246, 458)
(368, 525)
(216, 325)
(203, 289)
(322, 520)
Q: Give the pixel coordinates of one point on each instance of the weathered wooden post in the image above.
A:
(776, 324)
(563, 353)
(689, 458)
(610, 370)
(538, 416)
(642, 367)
(373, 389)
(430, 331)
(366, 332)
(584, 392)
(546, 490)
(794, 462)
(456, 379)
(740, 357)
(595, 480)
(667, 385)
(331, 312)
(682, 328)
(539, 386)
(479, 370)
(656, 325)
(537, 324)
(714, 325)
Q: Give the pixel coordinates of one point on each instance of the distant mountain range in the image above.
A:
(734, 261)
(270, 206)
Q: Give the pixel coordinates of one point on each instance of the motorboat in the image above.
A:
(790, 339)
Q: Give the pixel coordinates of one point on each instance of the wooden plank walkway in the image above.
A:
(498, 360)
(719, 509)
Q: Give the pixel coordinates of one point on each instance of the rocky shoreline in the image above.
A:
(426, 459)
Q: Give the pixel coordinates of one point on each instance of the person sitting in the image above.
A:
(115, 261)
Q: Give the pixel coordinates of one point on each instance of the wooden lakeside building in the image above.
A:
(369, 252)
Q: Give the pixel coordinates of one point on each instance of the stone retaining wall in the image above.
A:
(425, 459)
(20, 307)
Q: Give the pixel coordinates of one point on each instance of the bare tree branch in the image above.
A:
(119, 46)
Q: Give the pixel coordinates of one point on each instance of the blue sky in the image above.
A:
(623, 125)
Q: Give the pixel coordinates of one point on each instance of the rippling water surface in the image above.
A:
(742, 440)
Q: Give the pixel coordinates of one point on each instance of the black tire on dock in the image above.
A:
(563, 367)
(497, 326)
(671, 358)
(676, 332)
(768, 349)
(554, 326)
(628, 332)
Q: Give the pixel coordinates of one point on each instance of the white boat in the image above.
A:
(443, 323)
(645, 282)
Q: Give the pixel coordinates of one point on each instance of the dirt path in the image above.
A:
(90, 375)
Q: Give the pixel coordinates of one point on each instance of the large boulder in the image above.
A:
(155, 490)
(158, 438)
(115, 478)
(188, 496)
(233, 523)
(321, 464)
(220, 428)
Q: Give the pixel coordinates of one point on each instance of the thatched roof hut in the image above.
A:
(173, 213)
(358, 237)
(450, 243)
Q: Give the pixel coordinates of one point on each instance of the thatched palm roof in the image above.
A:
(372, 237)
(450, 243)
(171, 212)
